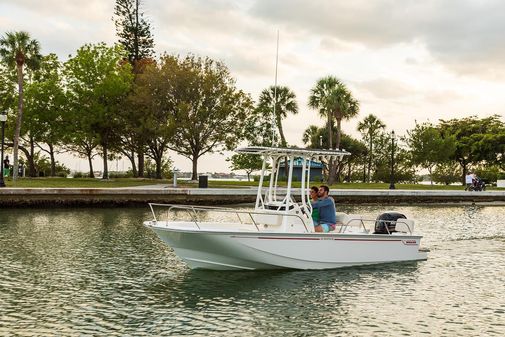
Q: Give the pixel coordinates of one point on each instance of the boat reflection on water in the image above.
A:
(194, 286)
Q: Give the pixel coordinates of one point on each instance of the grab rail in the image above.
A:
(192, 211)
(362, 222)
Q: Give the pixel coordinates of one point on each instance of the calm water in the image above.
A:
(100, 272)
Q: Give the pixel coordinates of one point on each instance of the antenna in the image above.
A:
(275, 91)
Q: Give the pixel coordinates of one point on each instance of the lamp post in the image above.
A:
(3, 118)
(392, 176)
(321, 142)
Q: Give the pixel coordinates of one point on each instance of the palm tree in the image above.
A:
(370, 128)
(17, 50)
(334, 101)
(284, 100)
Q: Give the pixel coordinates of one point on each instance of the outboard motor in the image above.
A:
(387, 219)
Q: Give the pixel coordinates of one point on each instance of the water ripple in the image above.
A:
(100, 272)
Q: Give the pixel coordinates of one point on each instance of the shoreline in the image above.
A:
(106, 197)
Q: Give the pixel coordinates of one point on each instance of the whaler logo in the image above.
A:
(409, 242)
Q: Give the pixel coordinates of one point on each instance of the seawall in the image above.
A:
(60, 197)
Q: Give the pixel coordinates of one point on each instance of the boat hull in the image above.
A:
(220, 250)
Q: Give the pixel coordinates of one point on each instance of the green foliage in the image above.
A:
(133, 30)
(283, 100)
(247, 162)
(98, 82)
(489, 174)
(334, 101)
(116, 175)
(474, 140)
(428, 147)
(166, 169)
(370, 128)
(446, 173)
(43, 166)
(18, 50)
(200, 94)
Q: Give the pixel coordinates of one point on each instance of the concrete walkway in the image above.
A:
(19, 197)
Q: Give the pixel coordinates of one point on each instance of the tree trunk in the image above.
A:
(32, 172)
(431, 175)
(158, 160)
(195, 167)
(464, 167)
(132, 161)
(370, 159)
(140, 157)
(105, 167)
(90, 161)
(337, 143)
(332, 171)
(53, 161)
(330, 140)
(281, 131)
(19, 118)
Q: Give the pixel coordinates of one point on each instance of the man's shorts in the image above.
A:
(328, 227)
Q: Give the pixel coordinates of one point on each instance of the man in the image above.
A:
(469, 181)
(326, 209)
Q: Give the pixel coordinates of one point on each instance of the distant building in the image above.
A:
(316, 170)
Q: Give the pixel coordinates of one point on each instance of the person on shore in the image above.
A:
(469, 178)
(326, 209)
(7, 166)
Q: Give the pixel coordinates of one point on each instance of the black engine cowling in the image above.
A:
(386, 222)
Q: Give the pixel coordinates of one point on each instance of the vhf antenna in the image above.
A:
(275, 91)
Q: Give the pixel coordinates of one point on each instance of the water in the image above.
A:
(100, 272)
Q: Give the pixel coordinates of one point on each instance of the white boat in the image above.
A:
(279, 232)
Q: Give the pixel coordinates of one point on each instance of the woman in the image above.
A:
(314, 190)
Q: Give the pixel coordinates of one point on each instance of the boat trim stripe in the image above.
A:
(321, 238)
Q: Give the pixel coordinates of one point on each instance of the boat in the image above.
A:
(279, 232)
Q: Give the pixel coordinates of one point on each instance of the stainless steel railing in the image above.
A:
(194, 210)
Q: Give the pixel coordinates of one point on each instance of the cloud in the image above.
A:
(466, 36)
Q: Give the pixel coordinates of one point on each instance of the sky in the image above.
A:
(404, 61)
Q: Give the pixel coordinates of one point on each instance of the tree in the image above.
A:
(152, 99)
(134, 34)
(210, 111)
(18, 50)
(133, 30)
(445, 173)
(247, 162)
(335, 102)
(370, 128)
(468, 133)
(45, 109)
(284, 100)
(98, 82)
(314, 136)
(428, 148)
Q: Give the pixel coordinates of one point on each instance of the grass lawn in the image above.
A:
(371, 186)
(131, 182)
(81, 182)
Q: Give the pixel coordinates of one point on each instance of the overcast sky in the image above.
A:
(403, 60)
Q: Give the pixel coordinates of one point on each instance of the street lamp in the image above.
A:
(3, 118)
(392, 176)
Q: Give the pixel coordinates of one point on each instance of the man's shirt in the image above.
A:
(326, 208)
